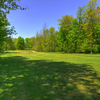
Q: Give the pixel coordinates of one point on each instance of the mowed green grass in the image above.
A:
(25, 75)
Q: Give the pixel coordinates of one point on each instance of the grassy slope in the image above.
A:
(49, 76)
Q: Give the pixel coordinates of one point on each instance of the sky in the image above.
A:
(28, 22)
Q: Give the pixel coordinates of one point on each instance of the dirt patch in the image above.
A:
(27, 52)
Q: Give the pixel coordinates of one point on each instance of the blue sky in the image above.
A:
(28, 22)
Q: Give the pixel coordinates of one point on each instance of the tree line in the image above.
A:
(75, 35)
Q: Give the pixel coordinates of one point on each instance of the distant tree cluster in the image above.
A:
(75, 35)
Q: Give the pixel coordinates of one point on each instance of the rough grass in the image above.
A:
(49, 76)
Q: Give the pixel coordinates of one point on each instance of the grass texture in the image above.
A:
(27, 75)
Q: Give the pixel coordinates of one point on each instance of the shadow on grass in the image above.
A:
(2, 53)
(23, 79)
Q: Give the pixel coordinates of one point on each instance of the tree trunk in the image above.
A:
(67, 46)
(91, 48)
(91, 43)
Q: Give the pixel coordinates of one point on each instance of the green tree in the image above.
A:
(57, 48)
(15, 42)
(51, 39)
(9, 44)
(44, 37)
(20, 43)
(27, 43)
(98, 36)
(5, 7)
(31, 43)
(98, 13)
(89, 27)
(39, 42)
(81, 20)
(73, 36)
(4, 30)
(65, 24)
(46, 40)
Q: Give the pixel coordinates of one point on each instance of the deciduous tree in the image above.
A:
(89, 26)
(20, 43)
(65, 24)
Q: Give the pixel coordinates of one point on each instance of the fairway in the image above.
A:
(28, 75)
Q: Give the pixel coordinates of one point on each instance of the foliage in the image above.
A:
(90, 24)
(29, 43)
(8, 5)
(95, 49)
(8, 44)
(15, 42)
(5, 7)
(4, 30)
(20, 43)
(65, 24)
(75, 35)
